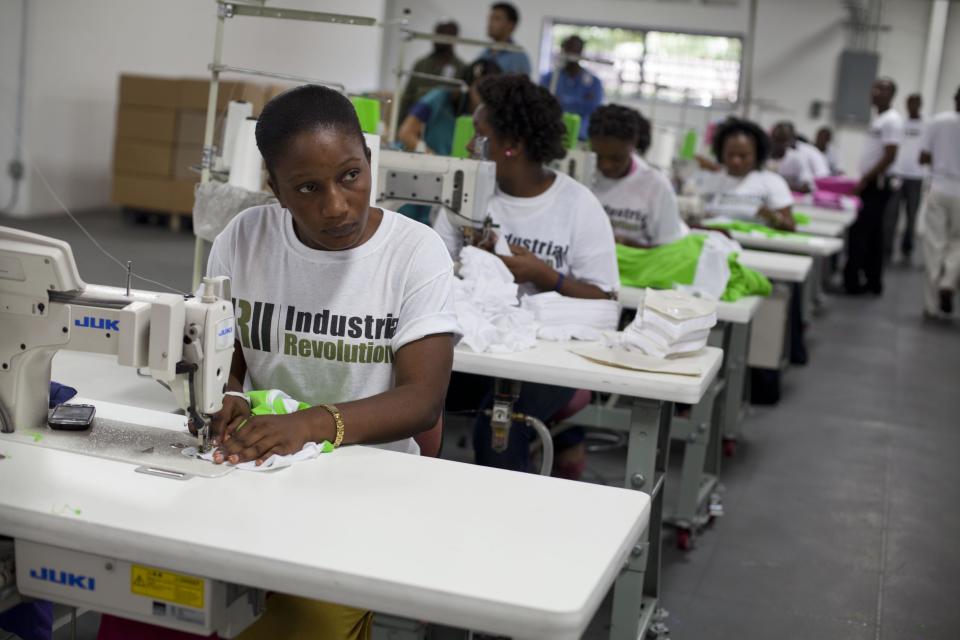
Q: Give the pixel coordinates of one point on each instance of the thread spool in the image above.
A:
(246, 162)
(237, 112)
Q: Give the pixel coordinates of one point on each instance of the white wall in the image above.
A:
(76, 51)
(797, 48)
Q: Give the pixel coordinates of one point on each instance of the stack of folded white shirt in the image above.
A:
(670, 323)
(562, 318)
(485, 300)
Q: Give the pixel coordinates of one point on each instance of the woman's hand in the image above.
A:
(780, 219)
(233, 412)
(259, 437)
(527, 267)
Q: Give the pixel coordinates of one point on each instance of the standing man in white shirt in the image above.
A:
(865, 256)
(940, 148)
(911, 174)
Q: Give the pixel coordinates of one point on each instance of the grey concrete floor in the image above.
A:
(842, 503)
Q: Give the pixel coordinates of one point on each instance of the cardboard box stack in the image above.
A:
(159, 135)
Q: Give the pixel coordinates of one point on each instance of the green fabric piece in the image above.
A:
(671, 264)
(260, 405)
(462, 133)
(688, 150)
(572, 122)
(744, 281)
(753, 227)
(368, 111)
(660, 267)
(801, 218)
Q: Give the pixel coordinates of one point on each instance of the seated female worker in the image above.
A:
(560, 239)
(638, 199)
(433, 118)
(743, 188)
(337, 303)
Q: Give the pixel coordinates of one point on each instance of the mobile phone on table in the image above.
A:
(71, 417)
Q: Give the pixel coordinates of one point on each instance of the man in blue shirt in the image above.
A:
(577, 90)
(500, 27)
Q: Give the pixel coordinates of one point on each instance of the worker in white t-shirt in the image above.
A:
(864, 269)
(344, 306)
(823, 142)
(638, 198)
(559, 238)
(940, 148)
(911, 174)
(788, 161)
(742, 188)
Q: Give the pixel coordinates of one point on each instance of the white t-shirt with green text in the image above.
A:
(325, 326)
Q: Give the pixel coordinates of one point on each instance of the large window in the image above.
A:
(643, 63)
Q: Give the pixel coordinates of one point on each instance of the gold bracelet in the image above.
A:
(338, 419)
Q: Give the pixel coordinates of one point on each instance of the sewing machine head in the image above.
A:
(186, 342)
(462, 186)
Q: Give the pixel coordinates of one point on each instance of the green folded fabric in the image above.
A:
(671, 264)
(801, 218)
(368, 112)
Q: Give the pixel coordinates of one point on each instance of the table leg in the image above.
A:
(735, 397)
(700, 471)
(636, 592)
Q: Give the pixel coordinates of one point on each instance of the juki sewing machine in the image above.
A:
(462, 186)
(186, 343)
(579, 164)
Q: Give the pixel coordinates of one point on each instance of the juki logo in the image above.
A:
(89, 322)
(64, 578)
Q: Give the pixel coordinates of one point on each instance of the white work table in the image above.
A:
(777, 266)
(650, 397)
(817, 246)
(841, 216)
(826, 228)
(418, 537)
(553, 363)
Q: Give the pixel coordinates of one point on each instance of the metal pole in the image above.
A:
(208, 132)
(747, 75)
(395, 107)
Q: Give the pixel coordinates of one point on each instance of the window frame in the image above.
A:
(546, 54)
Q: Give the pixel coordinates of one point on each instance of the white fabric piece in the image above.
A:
(941, 140)
(670, 323)
(565, 226)
(487, 308)
(552, 308)
(713, 267)
(566, 332)
(886, 129)
(646, 342)
(324, 326)
(642, 206)
(741, 198)
(309, 451)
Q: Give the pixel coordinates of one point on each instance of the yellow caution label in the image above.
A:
(178, 588)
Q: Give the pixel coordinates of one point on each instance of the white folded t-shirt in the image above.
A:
(325, 326)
